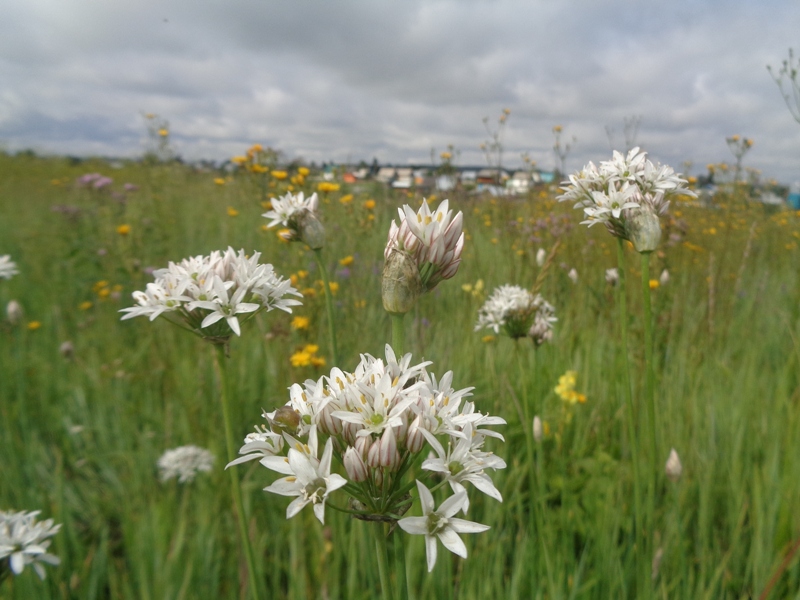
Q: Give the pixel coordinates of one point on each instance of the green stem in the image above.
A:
(378, 532)
(641, 561)
(241, 519)
(398, 334)
(328, 306)
(403, 589)
(650, 400)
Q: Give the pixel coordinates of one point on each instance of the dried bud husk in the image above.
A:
(286, 419)
(308, 228)
(644, 229)
(401, 284)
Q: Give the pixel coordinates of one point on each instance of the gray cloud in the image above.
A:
(347, 79)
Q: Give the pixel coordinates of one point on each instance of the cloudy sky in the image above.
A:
(346, 80)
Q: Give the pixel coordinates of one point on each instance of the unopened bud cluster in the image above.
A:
(375, 421)
(420, 252)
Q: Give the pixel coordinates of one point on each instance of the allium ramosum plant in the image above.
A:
(378, 424)
(24, 541)
(298, 215)
(208, 296)
(628, 194)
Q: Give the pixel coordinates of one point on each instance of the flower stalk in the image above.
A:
(328, 305)
(222, 375)
(381, 553)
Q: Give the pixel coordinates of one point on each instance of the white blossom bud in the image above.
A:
(673, 468)
(415, 441)
(541, 255)
(612, 276)
(573, 275)
(538, 432)
(664, 279)
(354, 465)
(14, 312)
(388, 456)
(67, 350)
(362, 445)
(374, 455)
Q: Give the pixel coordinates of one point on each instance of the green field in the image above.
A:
(80, 434)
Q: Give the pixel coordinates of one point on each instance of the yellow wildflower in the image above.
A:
(654, 284)
(317, 361)
(299, 322)
(334, 287)
(566, 388)
(360, 303)
(219, 180)
(256, 148)
(85, 305)
(280, 175)
(100, 285)
(303, 171)
(34, 325)
(302, 274)
(487, 338)
(300, 359)
(346, 199)
(256, 168)
(124, 229)
(239, 160)
(346, 261)
(163, 132)
(311, 348)
(369, 204)
(309, 292)
(232, 212)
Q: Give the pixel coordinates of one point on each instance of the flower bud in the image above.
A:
(673, 468)
(388, 455)
(573, 275)
(415, 440)
(541, 255)
(664, 279)
(612, 276)
(644, 229)
(14, 312)
(354, 465)
(308, 228)
(401, 284)
(538, 432)
(349, 431)
(373, 456)
(329, 424)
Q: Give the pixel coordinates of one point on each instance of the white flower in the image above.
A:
(538, 430)
(283, 209)
(311, 481)
(440, 524)
(673, 468)
(518, 312)
(14, 312)
(664, 278)
(201, 291)
(7, 267)
(24, 541)
(573, 275)
(612, 276)
(184, 463)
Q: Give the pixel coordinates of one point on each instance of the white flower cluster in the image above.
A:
(184, 462)
(624, 183)
(23, 541)
(287, 207)
(377, 420)
(8, 267)
(434, 240)
(203, 290)
(518, 313)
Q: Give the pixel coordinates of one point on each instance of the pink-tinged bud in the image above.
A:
(349, 431)
(354, 465)
(377, 477)
(362, 445)
(388, 455)
(329, 424)
(374, 455)
(415, 441)
(401, 431)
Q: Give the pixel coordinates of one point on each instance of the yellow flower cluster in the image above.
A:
(307, 357)
(327, 186)
(566, 388)
(299, 322)
(476, 289)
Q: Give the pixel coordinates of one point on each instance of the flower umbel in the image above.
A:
(517, 313)
(298, 214)
(183, 463)
(8, 268)
(23, 541)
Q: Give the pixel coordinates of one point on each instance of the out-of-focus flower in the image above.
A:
(626, 194)
(201, 291)
(369, 204)
(422, 251)
(346, 199)
(654, 284)
(299, 322)
(219, 180)
(123, 229)
(163, 132)
(303, 171)
(440, 524)
(566, 388)
(664, 278)
(327, 186)
(34, 325)
(130, 187)
(232, 212)
(612, 276)
(183, 463)
(23, 541)
(14, 312)
(298, 214)
(280, 175)
(102, 182)
(85, 305)
(66, 349)
(516, 312)
(541, 255)
(673, 468)
(8, 268)
(538, 432)
(573, 275)
(346, 261)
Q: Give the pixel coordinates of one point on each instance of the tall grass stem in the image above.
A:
(328, 306)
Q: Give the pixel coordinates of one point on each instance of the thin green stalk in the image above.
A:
(328, 306)
(398, 334)
(642, 567)
(403, 589)
(241, 519)
(381, 553)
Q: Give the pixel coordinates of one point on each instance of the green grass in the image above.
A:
(80, 437)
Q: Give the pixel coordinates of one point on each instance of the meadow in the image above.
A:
(83, 425)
